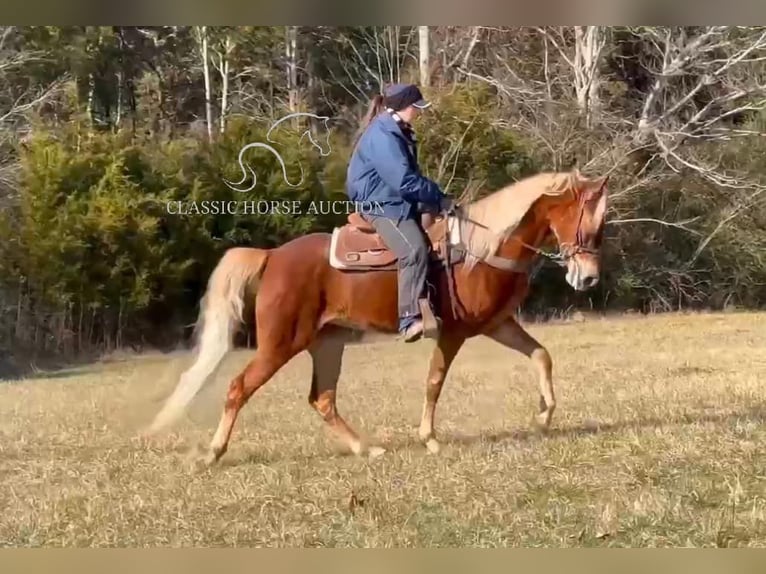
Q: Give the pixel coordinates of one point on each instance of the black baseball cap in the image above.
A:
(400, 96)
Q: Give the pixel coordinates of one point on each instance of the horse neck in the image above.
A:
(484, 234)
(530, 233)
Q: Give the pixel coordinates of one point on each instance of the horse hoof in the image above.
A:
(432, 445)
(542, 423)
(205, 459)
(375, 452)
(199, 464)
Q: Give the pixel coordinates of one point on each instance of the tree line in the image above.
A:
(102, 127)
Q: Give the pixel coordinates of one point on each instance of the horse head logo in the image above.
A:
(323, 145)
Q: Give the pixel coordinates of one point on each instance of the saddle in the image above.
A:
(356, 246)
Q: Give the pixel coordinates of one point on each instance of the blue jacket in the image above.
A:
(383, 172)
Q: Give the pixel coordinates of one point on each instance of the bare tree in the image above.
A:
(18, 101)
(458, 46)
(583, 55)
(376, 56)
(223, 51)
(201, 34)
(702, 83)
(291, 54)
(424, 56)
(705, 82)
(533, 72)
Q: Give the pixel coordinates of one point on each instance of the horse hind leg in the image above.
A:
(327, 358)
(256, 374)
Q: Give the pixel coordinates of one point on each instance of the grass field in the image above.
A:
(658, 441)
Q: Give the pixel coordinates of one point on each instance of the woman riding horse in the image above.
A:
(384, 171)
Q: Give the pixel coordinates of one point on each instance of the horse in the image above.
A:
(315, 291)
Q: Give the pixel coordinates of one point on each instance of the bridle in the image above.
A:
(567, 250)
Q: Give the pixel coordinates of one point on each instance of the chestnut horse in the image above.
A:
(304, 302)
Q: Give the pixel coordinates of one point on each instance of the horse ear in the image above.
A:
(594, 187)
(600, 211)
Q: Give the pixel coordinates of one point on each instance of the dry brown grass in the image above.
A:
(658, 441)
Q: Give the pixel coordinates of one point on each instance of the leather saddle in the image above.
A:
(356, 246)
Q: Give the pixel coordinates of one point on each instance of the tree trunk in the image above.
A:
(291, 48)
(118, 117)
(224, 71)
(202, 35)
(91, 95)
(589, 42)
(120, 81)
(425, 57)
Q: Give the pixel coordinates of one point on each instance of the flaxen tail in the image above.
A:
(221, 310)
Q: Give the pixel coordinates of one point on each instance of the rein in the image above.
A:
(566, 250)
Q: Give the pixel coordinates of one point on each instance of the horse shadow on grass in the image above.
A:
(30, 374)
(750, 414)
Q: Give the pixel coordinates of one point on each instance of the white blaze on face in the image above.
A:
(583, 268)
(582, 272)
(573, 273)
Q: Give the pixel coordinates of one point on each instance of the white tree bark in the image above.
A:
(716, 56)
(589, 42)
(222, 64)
(475, 31)
(291, 49)
(202, 40)
(701, 82)
(424, 56)
(92, 80)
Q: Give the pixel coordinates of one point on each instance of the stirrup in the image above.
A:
(431, 323)
(409, 337)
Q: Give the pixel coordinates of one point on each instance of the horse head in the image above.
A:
(322, 141)
(577, 219)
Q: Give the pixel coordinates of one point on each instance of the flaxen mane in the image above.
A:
(486, 223)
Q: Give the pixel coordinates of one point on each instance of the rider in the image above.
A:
(384, 172)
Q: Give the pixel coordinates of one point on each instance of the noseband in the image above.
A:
(568, 250)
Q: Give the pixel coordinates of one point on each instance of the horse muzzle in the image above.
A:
(583, 269)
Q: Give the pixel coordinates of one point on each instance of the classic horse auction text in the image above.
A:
(272, 207)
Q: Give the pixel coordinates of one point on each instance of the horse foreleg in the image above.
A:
(446, 349)
(513, 336)
(327, 357)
